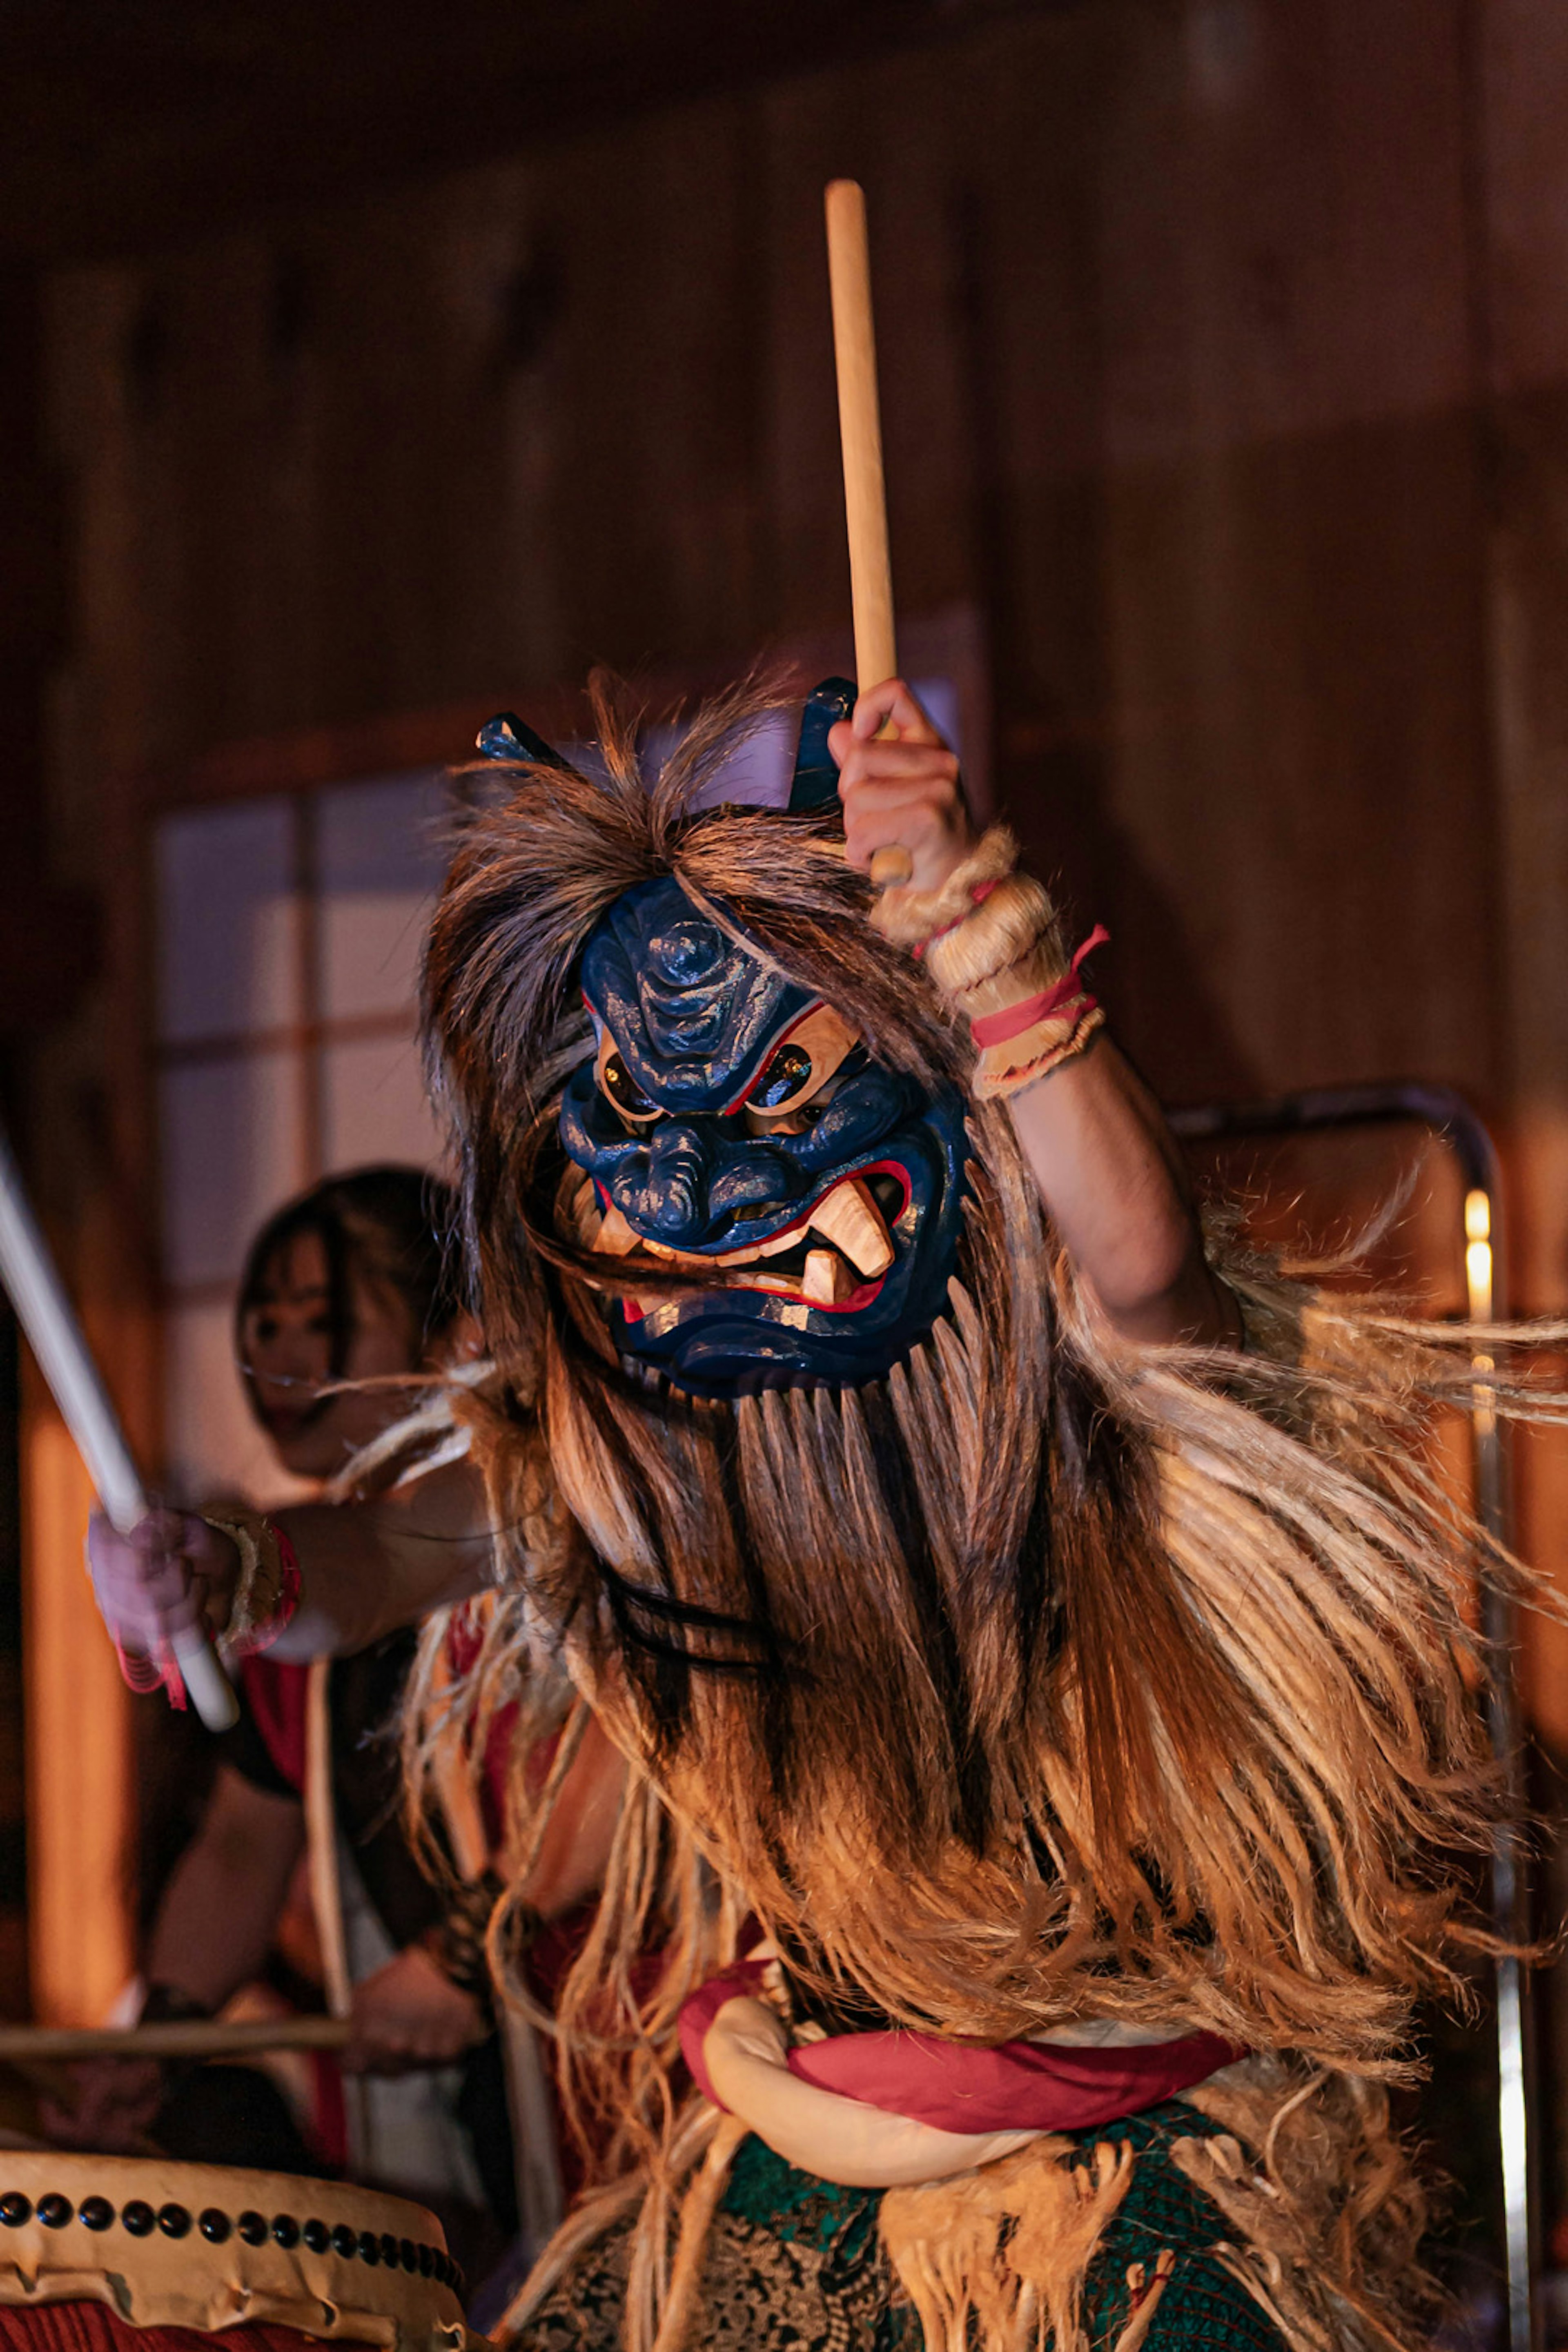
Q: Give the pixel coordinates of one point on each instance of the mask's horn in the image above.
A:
(505, 737)
(816, 781)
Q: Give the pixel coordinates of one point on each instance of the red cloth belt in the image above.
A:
(964, 2087)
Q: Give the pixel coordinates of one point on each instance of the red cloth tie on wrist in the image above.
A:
(1000, 1028)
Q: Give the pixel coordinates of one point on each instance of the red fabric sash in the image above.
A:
(961, 2086)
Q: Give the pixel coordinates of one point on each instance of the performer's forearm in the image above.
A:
(1113, 1184)
(367, 1568)
(1106, 1166)
(220, 1907)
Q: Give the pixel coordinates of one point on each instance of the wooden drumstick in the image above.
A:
(865, 491)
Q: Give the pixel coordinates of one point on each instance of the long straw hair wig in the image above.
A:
(1047, 1678)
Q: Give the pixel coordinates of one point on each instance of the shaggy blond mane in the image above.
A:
(1049, 1678)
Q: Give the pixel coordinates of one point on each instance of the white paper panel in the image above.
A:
(228, 919)
(759, 771)
(374, 1106)
(381, 851)
(232, 1150)
(938, 698)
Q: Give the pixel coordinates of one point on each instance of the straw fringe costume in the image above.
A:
(1029, 1688)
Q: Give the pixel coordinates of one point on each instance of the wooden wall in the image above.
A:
(1225, 373)
(1179, 336)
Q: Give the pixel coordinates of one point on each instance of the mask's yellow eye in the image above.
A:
(617, 1082)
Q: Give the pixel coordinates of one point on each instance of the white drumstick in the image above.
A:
(33, 1282)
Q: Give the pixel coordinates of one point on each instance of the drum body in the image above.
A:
(102, 2251)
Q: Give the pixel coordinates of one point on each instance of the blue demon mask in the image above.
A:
(731, 1123)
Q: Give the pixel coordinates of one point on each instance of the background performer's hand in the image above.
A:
(157, 1582)
(409, 2014)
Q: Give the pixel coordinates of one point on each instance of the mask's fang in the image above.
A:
(827, 1279)
(615, 1236)
(851, 1219)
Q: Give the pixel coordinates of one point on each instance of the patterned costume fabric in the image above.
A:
(795, 2265)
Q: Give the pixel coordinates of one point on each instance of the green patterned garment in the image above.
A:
(795, 2265)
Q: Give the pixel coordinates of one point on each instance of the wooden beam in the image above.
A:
(79, 1819)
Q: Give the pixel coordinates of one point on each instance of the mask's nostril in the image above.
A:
(671, 1204)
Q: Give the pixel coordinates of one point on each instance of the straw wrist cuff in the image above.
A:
(268, 1591)
(1002, 965)
(911, 917)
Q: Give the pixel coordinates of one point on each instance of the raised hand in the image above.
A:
(900, 792)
